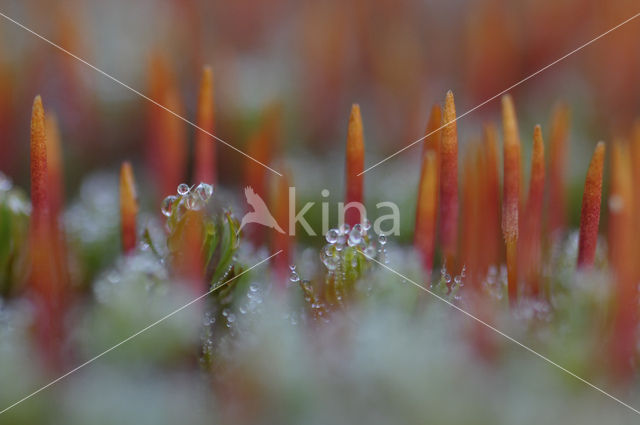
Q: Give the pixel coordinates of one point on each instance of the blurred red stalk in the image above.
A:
(354, 166)
(622, 260)
(558, 148)
(511, 196)
(472, 190)
(261, 146)
(590, 214)
(282, 241)
(530, 242)
(205, 146)
(128, 207)
(428, 187)
(167, 144)
(491, 204)
(55, 189)
(449, 183)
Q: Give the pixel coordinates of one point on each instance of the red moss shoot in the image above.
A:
(45, 284)
(590, 214)
(205, 145)
(530, 255)
(558, 147)
(128, 208)
(428, 187)
(511, 193)
(354, 166)
(449, 182)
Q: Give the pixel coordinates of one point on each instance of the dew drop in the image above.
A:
(366, 224)
(167, 204)
(204, 191)
(183, 189)
(332, 236)
(382, 239)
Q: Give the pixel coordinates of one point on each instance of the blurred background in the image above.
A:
(312, 60)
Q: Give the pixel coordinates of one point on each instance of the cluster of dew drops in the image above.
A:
(338, 239)
(188, 198)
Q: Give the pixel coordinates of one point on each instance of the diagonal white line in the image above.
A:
(531, 350)
(503, 92)
(129, 338)
(109, 76)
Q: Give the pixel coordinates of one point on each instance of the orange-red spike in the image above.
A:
(511, 197)
(282, 241)
(529, 255)
(590, 214)
(449, 182)
(128, 207)
(205, 145)
(427, 210)
(354, 166)
(622, 261)
(558, 147)
(45, 282)
(433, 137)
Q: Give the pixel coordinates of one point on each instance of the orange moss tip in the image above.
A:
(39, 171)
(449, 181)
(536, 183)
(427, 210)
(204, 161)
(128, 207)
(590, 214)
(354, 165)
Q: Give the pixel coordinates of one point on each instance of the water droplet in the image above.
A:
(355, 237)
(344, 229)
(332, 236)
(366, 224)
(331, 263)
(167, 204)
(294, 277)
(183, 189)
(457, 280)
(382, 239)
(193, 202)
(204, 191)
(292, 267)
(447, 278)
